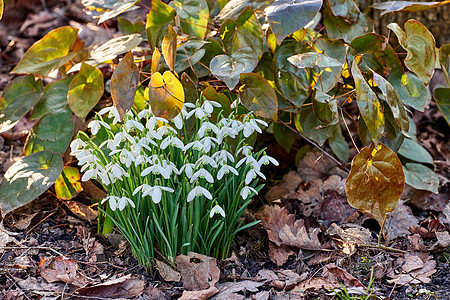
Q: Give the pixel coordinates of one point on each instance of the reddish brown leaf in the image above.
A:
(125, 286)
(61, 269)
(199, 272)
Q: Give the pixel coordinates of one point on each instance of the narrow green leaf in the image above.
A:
(369, 106)
(418, 41)
(258, 96)
(54, 98)
(194, 15)
(288, 16)
(49, 53)
(53, 132)
(442, 98)
(158, 20)
(420, 177)
(376, 181)
(124, 84)
(229, 69)
(412, 150)
(18, 98)
(28, 178)
(85, 90)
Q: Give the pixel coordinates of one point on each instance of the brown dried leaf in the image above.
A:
(229, 290)
(333, 273)
(290, 183)
(417, 243)
(279, 254)
(375, 182)
(93, 191)
(82, 211)
(199, 295)
(315, 166)
(125, 286)
(166, 272)
(399, 221)
(199, 272)
(314, 284)
(298, 236)
(443, 241)
(421, 271)
(274, 219)
(24, 223)
(60, 269)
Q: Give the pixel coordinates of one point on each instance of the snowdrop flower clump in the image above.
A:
(178, 185)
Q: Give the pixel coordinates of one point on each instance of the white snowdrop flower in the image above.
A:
(89, 174)
(129, 137)
(152, 159)
(236, 103)
(84, 158)
(222, 157)
(163, 130)
(104, 177)
(202, 173)
(172, 140)
(155, 192)
(156, 169)
(205, 128)
(118, 171)
(199, 113)
(205, 159)
(112, 112)
(118, 137)
(144, 113)
(188, 170)
(196, 145)
(246, 150)
(217, 210)
(224, 132)
(208, 106)
(265, 160)
(123, 201)
(246, 191)
(208, 142)
(250, 161)
(197, 192)
(248, 128)
(112, 201)
(153, 121)
(109, 144)
(75, 144)
(96, 124)
(178, 121)
(152, 134)
(126, 157)
(252, 175)
(130, 124)
(189, 105)
(225, 169)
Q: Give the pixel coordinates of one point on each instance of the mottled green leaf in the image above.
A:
(229, 69)
(340, 28)
(234, 8)
(288, 16)
(411, 90)
(307, 123)
(85, 90)
(420, 177)
(398, 6)
(124, 83)
(442, 98)
(332, 48)
(119, 7)
(127, 27)
(325, 108)
(188, 54)
(54, 98)
(53, 132)
(444, 57)
(114, 47)
(18, 98)
(393, 136)
(166, 95)
(258, 95)
(245, 31)
(344, 9)
(369, 106)
(412, 150)
(313, 59)
(393, 100)
(376, 181)
(28, 178)
(68, 184)
(339, 145)
(158, 20)
(418, 41)
(49, 53)
(212, 48)
(194, 15)
(284, 136)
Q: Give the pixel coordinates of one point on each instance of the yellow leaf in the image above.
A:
(166, 95)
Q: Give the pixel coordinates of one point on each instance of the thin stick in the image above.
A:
(317, 146)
